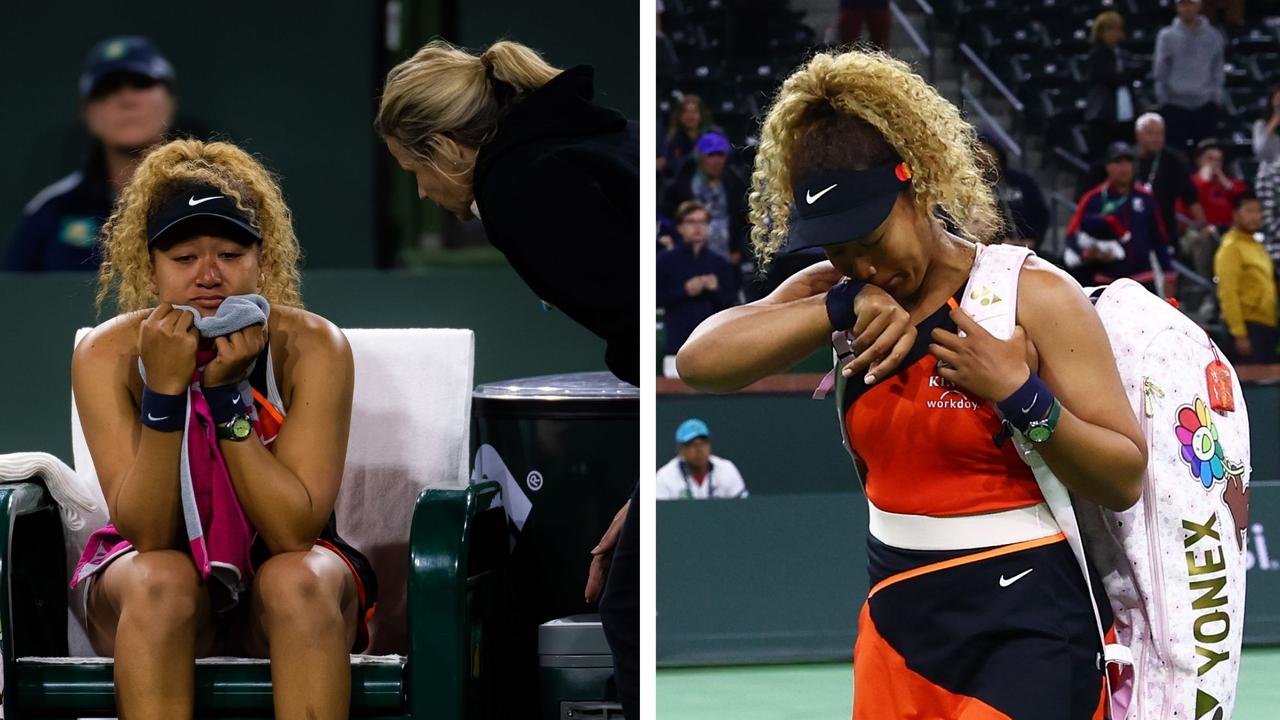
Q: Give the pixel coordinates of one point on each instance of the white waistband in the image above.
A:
(961, 532)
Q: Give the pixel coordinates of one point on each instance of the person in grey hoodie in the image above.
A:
(1189, 76)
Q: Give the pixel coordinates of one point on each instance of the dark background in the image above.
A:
(295, 82)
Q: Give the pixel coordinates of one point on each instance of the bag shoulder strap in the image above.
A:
(991, 297)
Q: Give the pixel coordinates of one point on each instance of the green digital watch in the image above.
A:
(1041, 430)
(236, 429)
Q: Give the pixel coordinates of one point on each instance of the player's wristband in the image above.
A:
(840, 303)
(225, 402)
(1027, 404)
(163, 413)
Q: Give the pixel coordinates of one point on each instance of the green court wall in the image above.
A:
(39, 315)
(780, 576)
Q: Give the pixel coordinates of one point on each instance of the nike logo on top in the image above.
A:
(193, 201)
(811, 198)
(153, 418)
(1033, 403)
(1006, 582)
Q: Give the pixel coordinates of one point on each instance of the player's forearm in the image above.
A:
(1094, 462)
(273, 498)
(147, 505)
(738, 346)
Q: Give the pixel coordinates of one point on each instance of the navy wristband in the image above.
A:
(840, 303)
(225, 402)
(163, 413)
(1029, 403)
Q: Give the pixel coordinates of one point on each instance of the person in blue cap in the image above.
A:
(694, 473)
(711, 181)
(128, 103)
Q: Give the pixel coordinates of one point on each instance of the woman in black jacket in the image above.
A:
(1112, 104)
(555, 179)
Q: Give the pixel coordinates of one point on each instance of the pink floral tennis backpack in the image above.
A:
(1173, 565)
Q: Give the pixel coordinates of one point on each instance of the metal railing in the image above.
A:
(972, 102)
(921, 46)
(989, 77)
(930, 35)
(1057, 201)
(987, 74)
(1070, 158)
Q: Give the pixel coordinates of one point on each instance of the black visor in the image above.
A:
(200, 209)
(836, 206)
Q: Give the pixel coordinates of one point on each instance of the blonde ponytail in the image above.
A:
(444, 91)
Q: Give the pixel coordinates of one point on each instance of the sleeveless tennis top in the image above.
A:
(926, 447)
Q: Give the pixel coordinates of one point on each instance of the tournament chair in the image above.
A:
(437, 543)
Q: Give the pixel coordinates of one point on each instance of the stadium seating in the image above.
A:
(735, 80)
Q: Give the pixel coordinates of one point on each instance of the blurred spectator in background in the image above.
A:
(128, 103)
(668, 236)
(1217, 192)
(694, 283)
(1266, 130)
(689, 121)
(1018, 195)
(694, 473)
(1111, 104)
(1189, 76)
(874, 14)
(1165, 174)
(1267, 188)
(1116, 229)
(1247, 285)
(713, 183)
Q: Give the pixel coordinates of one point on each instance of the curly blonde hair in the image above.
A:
(858, 109)
(169, 169)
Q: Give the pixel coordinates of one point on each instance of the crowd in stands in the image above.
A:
(1174, 108)
(1169, 210)
(718, 60)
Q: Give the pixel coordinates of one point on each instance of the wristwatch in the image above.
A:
(1041, 430)
(237, 428)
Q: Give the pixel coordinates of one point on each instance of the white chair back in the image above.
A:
(410, 430)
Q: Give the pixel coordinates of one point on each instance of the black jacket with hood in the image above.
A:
(558, 192)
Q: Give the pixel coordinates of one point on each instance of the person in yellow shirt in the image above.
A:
(1247, 285)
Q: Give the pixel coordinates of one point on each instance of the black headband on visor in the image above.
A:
(836, 206)
(201, 209)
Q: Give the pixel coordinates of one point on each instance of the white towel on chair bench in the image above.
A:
(77, 499)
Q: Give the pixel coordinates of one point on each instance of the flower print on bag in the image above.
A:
(1201, 449)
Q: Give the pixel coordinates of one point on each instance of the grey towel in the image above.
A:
(235, 313)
